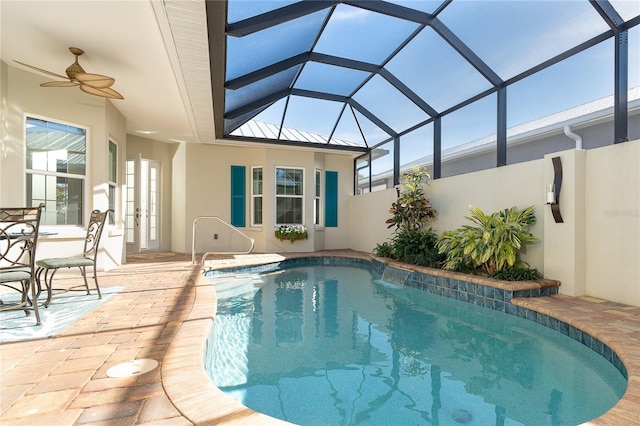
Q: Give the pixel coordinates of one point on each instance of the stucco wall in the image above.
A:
(612, 206)
(595, 251)
(207, 178)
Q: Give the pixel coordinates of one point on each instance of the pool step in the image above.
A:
(235, 285)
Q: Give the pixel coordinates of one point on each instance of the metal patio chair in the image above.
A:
(47, 268)
(18, 241)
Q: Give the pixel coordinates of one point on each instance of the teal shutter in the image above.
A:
(238, 203)
(331, 200)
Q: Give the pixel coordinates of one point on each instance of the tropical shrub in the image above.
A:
(384, 250)
(493, 244)
(412, 210)
(417, 248)
(517, 273)
(409, 215)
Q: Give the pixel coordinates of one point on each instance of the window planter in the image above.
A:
(292, 233)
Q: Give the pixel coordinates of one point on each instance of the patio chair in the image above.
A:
(47, 268)
(18, 241)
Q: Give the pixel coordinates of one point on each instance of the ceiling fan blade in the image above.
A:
(95, 80)
(59, 84)
(105, 92)
(43, 71)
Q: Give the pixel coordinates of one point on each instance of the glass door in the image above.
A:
(143, 205)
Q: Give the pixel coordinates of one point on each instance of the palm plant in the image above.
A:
(492, 244)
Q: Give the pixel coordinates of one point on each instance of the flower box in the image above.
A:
(292, 233)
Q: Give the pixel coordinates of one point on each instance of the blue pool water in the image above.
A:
(337, 345)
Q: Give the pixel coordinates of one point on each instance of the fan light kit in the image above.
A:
(93, 84)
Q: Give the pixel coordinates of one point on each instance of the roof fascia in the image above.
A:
(289, 143)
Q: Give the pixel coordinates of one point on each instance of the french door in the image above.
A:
(143, 205)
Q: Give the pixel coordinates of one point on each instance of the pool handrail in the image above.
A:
(205, 255)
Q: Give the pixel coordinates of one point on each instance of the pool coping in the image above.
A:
(191, 391)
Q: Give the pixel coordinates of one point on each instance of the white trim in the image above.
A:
(113, 184)
(318, 222)
(86, 193)
(254, 196)
(276, 195)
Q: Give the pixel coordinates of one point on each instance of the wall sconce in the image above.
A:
(553, 190)
(551, 194)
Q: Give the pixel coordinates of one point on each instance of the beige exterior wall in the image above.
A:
(369, 212)
(208, 178)
(22, 96)
(596, 250)
(179, 200)
(565, 247)
(612, 208)
(4, 131)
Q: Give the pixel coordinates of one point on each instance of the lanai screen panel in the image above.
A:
(360, 74)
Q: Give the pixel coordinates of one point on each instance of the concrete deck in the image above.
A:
(164, 313)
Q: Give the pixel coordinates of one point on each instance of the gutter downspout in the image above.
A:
(575, 137)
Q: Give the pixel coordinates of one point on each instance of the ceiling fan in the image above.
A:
(93, 84)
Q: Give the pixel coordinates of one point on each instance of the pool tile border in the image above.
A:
(496, 295)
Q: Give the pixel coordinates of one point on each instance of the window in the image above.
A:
(56, 161)
(131, 202)
(256, 196)
(316, 201)
(289, 196)
(113, 180)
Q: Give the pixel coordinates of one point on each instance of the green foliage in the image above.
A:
(413, 247)
(384, 250)
(517, 273)
(492, 244)
(417, 248)
(412, 210)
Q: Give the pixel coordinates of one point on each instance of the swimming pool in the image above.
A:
(337, 345)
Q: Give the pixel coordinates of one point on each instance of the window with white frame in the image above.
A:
(289, 196)
(113, 180)
(129, 216)
(56, 159)
(256, 196)
(317, 200)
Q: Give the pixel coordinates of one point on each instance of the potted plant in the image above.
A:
(292, 232)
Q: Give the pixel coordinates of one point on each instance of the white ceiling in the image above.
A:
(157, 51)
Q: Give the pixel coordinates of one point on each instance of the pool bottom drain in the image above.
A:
(461, 416)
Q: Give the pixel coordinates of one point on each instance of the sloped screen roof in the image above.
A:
(356, 74)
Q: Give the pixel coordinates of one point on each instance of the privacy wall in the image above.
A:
(595, 251)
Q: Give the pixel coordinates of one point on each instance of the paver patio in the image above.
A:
(164, 313)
